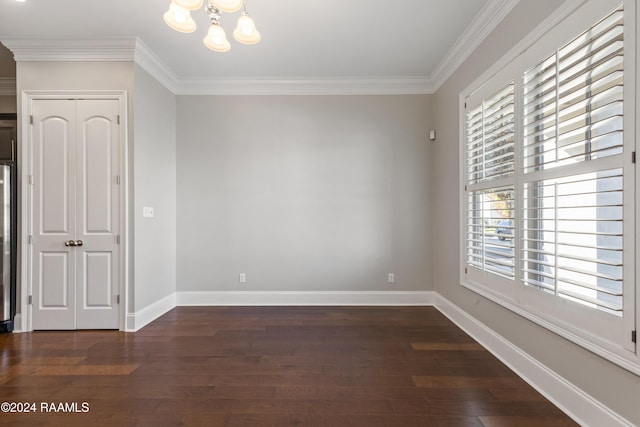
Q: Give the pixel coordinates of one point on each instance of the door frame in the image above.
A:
(25, 215)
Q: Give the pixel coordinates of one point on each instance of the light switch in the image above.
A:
(147, 212)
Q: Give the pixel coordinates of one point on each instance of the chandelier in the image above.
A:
(179, 18)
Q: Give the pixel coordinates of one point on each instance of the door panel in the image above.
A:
(97, 280)
(97, 214)
(96, 171)
(75, 199)
(54, 280)
(55, 307)
(53, 204)
(54, 178)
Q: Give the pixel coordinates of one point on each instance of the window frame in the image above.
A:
(550, 311)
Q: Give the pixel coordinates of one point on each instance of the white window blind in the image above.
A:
(573, 238)
(572, 220)
(490, 137)
(585, 79)
(490, 245)
(490, 158)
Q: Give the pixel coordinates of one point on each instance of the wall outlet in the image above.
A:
(391, 278)
(147, 212)
(242, 277)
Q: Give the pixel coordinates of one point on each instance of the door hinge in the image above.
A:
(29, 239)
(633, 157)
(30, 179)
(30, 299)
(118, 239)
(118, 179)
(466, 271)
(633, 336)
(117, 299)
(118, 118)
(31, 119)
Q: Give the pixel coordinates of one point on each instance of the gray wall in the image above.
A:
(609, 384)
(154, 185)
(304, 193)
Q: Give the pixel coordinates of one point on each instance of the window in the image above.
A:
(573, 114)
(490, 131)
(549, 185)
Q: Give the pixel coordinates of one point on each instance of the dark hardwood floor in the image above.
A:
(269, 366)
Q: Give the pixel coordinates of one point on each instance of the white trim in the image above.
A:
(482, 25)
(319, 298)
(115, 49)
(553, 20)
(17, 323)
(7, 86)
(564, 331)
(153, 65)
(141, 318)
(24, 217)
(584, 409)
(310, 86)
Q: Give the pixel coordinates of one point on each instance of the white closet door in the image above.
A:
(97, 211)
(53, 214)
(75, 213)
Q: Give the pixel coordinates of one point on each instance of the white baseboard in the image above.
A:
(141, 318)
(249, 298)
(584, 409)
(17, 323)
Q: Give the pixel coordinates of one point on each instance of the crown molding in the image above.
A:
(482, 25)
(152, 64)
(7, 86)
(307, 86)
(115, 49)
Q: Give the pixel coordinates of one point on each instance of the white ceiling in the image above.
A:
(301, 39)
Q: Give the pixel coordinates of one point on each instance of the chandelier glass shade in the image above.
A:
(228, 6)
(216, 39)
(189, 4)
(246, 31)
(179, 18)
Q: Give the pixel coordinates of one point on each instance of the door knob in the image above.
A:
(79, 243)
(70, 243)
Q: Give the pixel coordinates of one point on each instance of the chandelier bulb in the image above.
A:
(228, 6)
(179, 19)
(189, 4)
(245, 31)
(216, 39)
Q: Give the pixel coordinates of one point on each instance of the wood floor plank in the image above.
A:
(467, 382)
(501, 421)
(447, 346)
(271, 366)
(85, 370)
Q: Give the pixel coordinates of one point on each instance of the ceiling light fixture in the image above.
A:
(179, 18)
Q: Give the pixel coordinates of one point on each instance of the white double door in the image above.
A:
(74, 207)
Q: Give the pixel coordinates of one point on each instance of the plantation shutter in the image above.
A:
(573, 169)
(490, 196)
